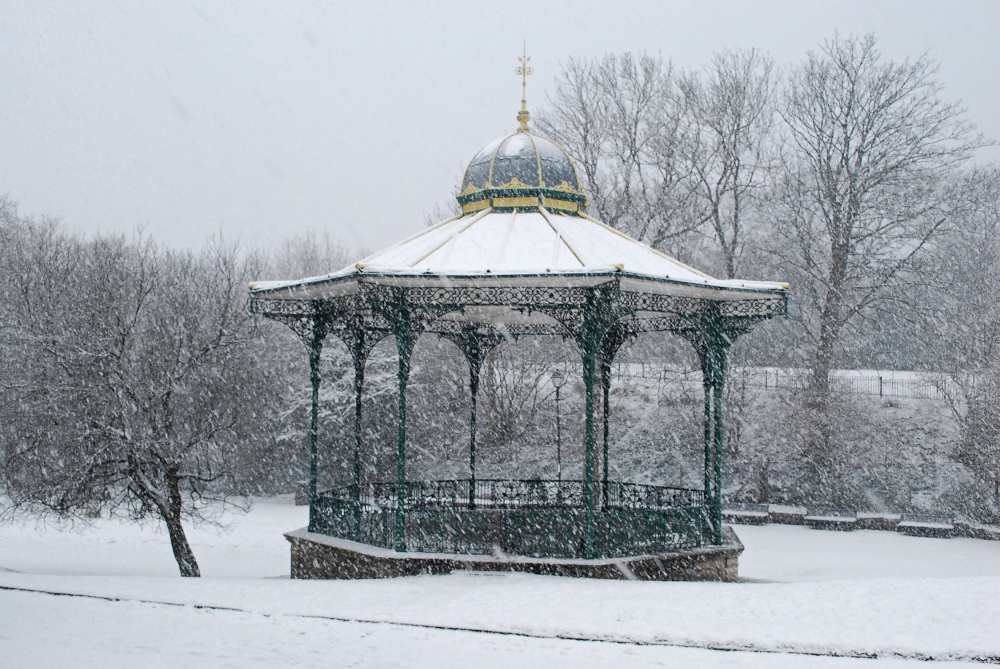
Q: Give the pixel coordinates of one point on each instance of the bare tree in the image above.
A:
(729, 156)
(663, 154)
(979, 442)
(136, 386)
(871, 149)
(964, 335)
(623, 120)
(311, 254)
(512, 393)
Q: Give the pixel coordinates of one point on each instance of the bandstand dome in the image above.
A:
(521, 258)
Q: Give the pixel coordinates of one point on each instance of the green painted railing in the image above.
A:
(533, 518)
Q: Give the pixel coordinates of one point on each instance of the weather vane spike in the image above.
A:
(524, 70)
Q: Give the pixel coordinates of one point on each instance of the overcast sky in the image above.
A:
(271, 119)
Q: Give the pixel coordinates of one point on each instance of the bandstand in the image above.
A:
(522, 258)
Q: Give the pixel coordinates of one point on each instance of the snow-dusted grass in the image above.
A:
(248, 545)
(859, 594)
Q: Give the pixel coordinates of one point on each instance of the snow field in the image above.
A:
(847, 596)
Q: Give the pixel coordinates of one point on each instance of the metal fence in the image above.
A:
(889, 384)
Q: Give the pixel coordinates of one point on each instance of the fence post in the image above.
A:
(880, 386)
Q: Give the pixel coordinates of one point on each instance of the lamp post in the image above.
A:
(558, 378)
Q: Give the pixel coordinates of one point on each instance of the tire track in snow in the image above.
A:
(723, 647)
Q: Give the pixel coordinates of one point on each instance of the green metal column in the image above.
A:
(315, 349)
(589, 372)
(359, 382)
(613, 340)
(719, 432)
(406, 323)
(606, 387)
(599, 314)
(714, 350)
(721, 346)
(404, 347)
(476, 343)
(475, 365)
(360, 341)
(709, 441)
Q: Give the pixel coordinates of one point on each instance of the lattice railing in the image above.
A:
(512, 494)
(536, 518)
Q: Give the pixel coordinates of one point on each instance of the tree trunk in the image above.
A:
(178, 540)
(829, 333)
(821, 448)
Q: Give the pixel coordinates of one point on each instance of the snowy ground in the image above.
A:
(818, 599)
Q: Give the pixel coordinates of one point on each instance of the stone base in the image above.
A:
(746, 517)
(878, 521)
(975, 531)
(927, 530)
(787, 515)
(838, 523)
(320, 556)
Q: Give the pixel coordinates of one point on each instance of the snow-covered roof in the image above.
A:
(525, 242)
(501, 246)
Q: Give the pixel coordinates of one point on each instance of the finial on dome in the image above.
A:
(524, 70)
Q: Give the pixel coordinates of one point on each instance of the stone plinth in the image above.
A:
(746, 514)
(831, 519)
(928, 530)
(878, 521)
(320, 556)
(787, 515)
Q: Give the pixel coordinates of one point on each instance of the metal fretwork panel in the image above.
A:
(521, 296)
(624, 532)
(533, 518)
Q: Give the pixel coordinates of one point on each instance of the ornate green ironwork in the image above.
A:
(712, 336)
(536, 518)
(616, 336)
(526, 518)
(407, 321)
(316, 346)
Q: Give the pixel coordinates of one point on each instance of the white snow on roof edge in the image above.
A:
(478, 245)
